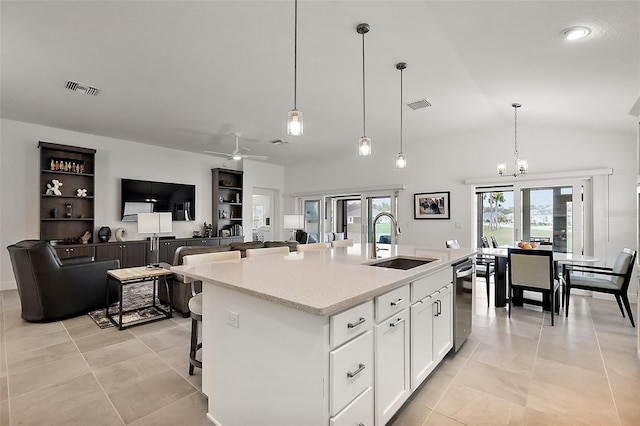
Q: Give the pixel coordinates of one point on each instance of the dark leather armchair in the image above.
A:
(51, 289)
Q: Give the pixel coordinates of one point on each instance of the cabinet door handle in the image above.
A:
(439, 307)
(398, 321)
(357, 323)
(397, 302)
(353, 374)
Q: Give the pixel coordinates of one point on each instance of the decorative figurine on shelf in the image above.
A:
(54, 213)
(85, 237)
(53, 188)
(81, 192)
(68, 210)
(237, 198)
(208, 230)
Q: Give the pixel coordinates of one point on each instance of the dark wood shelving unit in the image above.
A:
(55, 223)
(227, 202)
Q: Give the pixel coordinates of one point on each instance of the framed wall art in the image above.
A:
(431, 205)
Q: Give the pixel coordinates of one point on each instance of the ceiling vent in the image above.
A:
(422, 103)
(77, 87)
(279, 142)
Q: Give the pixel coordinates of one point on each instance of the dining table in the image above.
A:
(501, 260)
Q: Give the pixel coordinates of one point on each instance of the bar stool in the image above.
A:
(195, 303)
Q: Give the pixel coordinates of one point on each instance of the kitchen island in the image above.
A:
(322, 337)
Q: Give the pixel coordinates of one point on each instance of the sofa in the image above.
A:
(52, 289)
(182, 288)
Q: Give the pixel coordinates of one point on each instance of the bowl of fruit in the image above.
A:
(527, 245)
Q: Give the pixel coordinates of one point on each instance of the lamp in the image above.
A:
(364, 144)
(154, 223)
(401, 161)
(294, 118)
(293, 222)
(520, 166)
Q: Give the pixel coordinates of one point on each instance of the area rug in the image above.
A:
(134, 296)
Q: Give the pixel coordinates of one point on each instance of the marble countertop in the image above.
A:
(321, 282)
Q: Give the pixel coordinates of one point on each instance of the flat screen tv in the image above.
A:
(142, 196)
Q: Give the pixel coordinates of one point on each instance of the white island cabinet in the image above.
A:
(316, 338)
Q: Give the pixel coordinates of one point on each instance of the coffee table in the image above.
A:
(140, 274)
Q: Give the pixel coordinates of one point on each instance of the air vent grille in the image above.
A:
(422, 103)
(279, 142)
(77, 87)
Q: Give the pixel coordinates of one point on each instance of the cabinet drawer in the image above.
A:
(350, 371)
(358, 412)
(351, 323)
(392, 302)
(425, 286)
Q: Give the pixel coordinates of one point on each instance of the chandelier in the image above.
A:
(520, 166)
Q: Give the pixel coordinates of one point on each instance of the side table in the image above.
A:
(139, 274)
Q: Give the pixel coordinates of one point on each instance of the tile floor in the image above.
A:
(522, 371)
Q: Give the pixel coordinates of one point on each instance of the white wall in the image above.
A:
(115, 159)
(258, 174)
(443, 164)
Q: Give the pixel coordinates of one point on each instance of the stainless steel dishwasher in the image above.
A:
(463, 275)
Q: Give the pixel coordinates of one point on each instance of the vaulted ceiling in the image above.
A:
(185, 75)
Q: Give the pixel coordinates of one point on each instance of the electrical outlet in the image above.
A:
(233, 319)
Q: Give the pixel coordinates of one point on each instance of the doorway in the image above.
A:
(548, 214)
(263, 213)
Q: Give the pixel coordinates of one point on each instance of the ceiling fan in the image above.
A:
(237, 154)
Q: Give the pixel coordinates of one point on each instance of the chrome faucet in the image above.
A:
(395, 229)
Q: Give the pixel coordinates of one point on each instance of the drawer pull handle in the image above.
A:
(351, 375)
(398, 321)
(357, 323)
(397, 302)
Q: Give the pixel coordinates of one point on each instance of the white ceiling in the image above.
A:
(185, 75)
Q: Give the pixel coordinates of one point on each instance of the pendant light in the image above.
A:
(294, 118)
(364, 144)
(520, 166)
(401, 161)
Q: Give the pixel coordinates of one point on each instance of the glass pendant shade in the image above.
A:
(294, 123)
(502, 168)
(523, 166)
(401, 161)
(364, 146)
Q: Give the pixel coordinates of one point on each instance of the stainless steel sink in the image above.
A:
(403, 263)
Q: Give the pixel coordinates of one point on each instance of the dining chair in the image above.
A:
(533, 270)
(494, 242)
(611, 280)
(267, 251)
(484, 266)
(452, 244)
(342, 243)
(313, 246)
(195, 303)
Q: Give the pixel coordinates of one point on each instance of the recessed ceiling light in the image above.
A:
(575, 33)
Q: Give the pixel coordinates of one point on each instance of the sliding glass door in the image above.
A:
(312, 220)
(554, 214)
